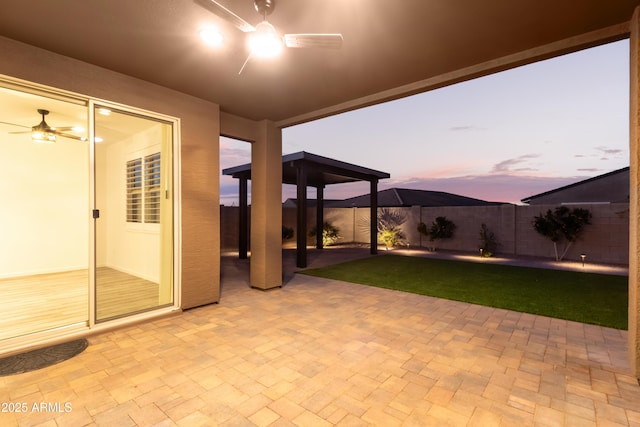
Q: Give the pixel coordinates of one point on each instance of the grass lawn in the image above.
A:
(598, 299)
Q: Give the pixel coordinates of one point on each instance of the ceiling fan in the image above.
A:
(44, 133)
(263, 39)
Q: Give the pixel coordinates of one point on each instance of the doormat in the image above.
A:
(41, 358)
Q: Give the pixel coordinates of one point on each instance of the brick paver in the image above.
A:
(321, 352)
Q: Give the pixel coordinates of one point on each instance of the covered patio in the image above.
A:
(316, 352)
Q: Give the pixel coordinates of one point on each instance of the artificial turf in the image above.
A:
(597, 299)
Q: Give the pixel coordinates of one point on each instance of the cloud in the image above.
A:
(230, 157)
(588, 170)
(610, 151)
(507, 165)
(465, 128)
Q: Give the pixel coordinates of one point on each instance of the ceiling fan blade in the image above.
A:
(27, 131)
(15, 124)
(329, 41)
(227, 15)
(66, 135)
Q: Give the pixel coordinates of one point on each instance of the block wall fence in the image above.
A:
(605, 240)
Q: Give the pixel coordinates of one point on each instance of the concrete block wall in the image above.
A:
(605, 240)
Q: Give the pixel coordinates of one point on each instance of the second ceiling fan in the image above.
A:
(264, 40)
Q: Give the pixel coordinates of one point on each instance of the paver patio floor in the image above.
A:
(319, 352)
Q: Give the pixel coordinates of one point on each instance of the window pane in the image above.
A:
(152, 188)
(134, 190)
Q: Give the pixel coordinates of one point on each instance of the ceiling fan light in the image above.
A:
(265, 41)
(43, 137)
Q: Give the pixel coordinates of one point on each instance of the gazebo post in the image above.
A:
(301, 241)
(243, 232)
(319, 216)
(373, 222)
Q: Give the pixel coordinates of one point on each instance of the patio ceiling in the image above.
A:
(391, 48)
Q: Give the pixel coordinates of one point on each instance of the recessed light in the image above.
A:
(211, 36)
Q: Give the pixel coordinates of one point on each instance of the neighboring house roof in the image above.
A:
(311, 203)
(402, 197)
(612, 187)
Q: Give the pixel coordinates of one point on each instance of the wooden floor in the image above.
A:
(48, 301)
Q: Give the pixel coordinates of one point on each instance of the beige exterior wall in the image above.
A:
(634, 195)
(200, 246)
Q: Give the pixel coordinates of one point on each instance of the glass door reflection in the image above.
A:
(44, 186)
(134, 231)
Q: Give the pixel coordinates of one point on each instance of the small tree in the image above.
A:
(562, 225)
(488, 242)
(441, 228)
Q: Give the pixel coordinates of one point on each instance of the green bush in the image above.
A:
(287, 232)
(391, 237)
(441, 228)
(330, 234)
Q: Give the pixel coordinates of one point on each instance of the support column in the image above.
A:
(243, 231)
(266, 207)
(319, 215)
(634, 196)
(301, 212)
(374, 216)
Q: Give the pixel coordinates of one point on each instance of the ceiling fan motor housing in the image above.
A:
(264, 7)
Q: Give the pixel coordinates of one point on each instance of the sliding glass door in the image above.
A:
(87, 215)
(44, 188)
(134, 213)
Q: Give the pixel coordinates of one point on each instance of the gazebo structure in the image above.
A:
(309, 170)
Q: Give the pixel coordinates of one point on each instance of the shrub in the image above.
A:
(488, 242)
(441, 228)
(391, 238)
(287, 232)
(330, 234)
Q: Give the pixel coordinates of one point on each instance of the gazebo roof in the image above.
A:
(321, 170)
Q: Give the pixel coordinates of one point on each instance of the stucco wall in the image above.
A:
(200, 130)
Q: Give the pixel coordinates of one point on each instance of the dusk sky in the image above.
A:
(498, 138)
